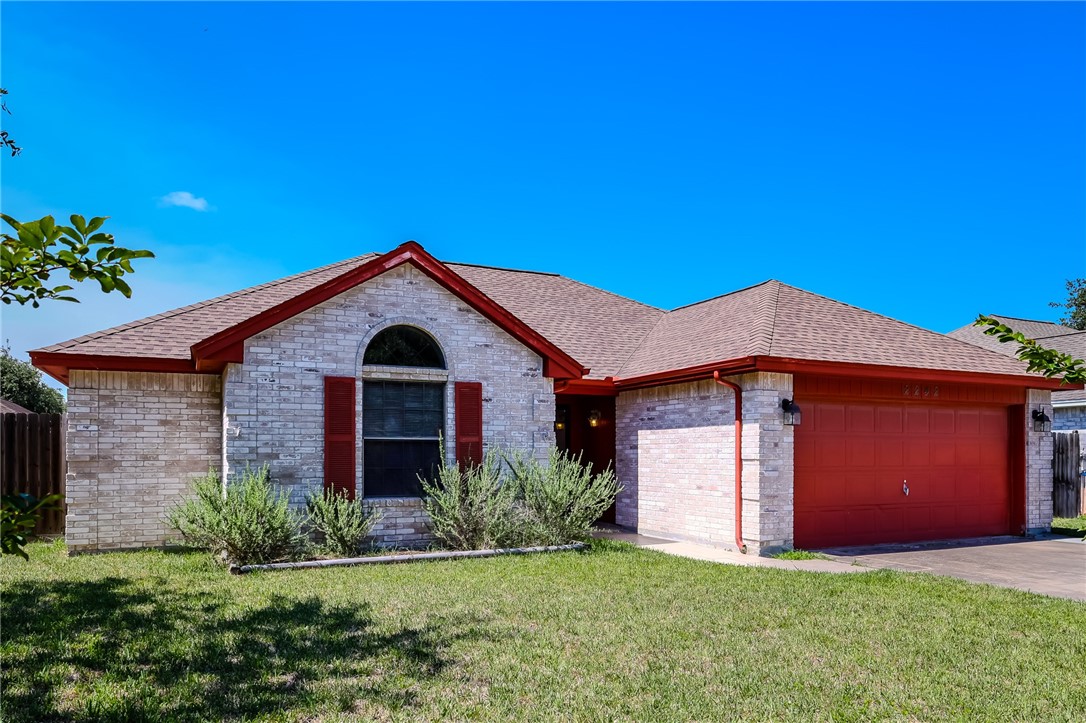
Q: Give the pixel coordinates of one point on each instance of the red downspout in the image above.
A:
(738, 459)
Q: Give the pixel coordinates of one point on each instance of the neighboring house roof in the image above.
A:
(1065, 339)
(769, 326)
(8, 407)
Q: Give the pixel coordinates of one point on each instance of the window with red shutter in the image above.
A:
(468, 398)
(339, 434)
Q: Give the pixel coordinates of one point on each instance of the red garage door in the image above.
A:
(870, 472)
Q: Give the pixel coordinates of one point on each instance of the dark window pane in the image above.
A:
(404, 346)
(402, 409)
(391, 467)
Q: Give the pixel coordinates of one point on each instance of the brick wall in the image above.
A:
(135, 442)
(1069, 419)
(273, 403)
(675, 457)
(1038, 465)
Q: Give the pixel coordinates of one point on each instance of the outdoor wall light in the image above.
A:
(594, 418)
(560, 419)
(792, 414)
(1041, 421)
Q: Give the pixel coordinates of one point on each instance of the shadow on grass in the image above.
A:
(112, 649)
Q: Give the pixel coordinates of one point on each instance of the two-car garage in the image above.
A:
(905, 461)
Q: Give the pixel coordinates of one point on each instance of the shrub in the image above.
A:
(247, 521)
(344, 523)
(473, 509)
(562, 499)
(19, 514)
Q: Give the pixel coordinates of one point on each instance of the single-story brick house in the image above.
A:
(1068, 404)
(346, 375)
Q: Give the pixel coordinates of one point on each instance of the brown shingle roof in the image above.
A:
(1064, 339)
(170, 335)
(612, 335)
(774, 319)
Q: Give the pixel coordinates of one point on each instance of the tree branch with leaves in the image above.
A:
(42, 248)
(1049, 362)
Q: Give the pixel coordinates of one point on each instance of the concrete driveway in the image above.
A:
(1053, 565)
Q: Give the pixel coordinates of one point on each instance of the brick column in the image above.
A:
(768, 463)
(1039, 451)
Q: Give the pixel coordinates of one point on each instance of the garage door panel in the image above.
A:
(942, 421)
(861, 419)
(851, 463)
(888, 420)
(916, 420)
(888, 451)
(861, 452)
(918, 452)
(831, 418)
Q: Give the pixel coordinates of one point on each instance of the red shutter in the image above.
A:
(468, 398)
(339, 426)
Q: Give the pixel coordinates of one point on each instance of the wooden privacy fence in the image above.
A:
(1068, 493)
(32, 460)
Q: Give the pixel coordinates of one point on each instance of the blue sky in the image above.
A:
(926, 161)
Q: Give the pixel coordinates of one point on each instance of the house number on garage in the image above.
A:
(919, 390)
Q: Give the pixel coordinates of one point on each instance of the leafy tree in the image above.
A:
(22, 383)
(42, 248)
(1075, 304)
(1048, 362)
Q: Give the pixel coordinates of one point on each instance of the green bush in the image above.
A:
(343, 523)
(562, 499)
(526, 503)
(247, 520)
(473, 509)
(19, 513)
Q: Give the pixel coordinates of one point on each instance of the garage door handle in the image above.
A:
(905, 487)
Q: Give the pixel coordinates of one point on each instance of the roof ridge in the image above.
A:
(500, 268)
(1033, 321)
(203, 304)
(758, 332)
(971, 346)
(721, 296)
(776, 315)
(612, 293)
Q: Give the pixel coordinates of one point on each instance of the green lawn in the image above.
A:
(1073, 526)
(615, 633)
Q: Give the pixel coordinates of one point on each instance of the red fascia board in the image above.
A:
(689, 374)
(587, 387)
(804, 366)
(59, 365)
(228, 345)
(878, 371)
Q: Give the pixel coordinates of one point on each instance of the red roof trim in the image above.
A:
(59, 365)
(873, 371)
(228, 345)
(878, 371)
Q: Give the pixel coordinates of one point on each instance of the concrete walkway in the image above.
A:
(1054, 566)
(728, 557)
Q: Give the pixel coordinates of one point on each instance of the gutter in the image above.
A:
(738, 458)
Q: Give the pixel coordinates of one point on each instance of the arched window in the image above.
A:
(402, 421)
(404, 346)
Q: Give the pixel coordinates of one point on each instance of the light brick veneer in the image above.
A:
(675, 458)
(135, 441)
(1039, 451)
(1069, 418)
(273, 409)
